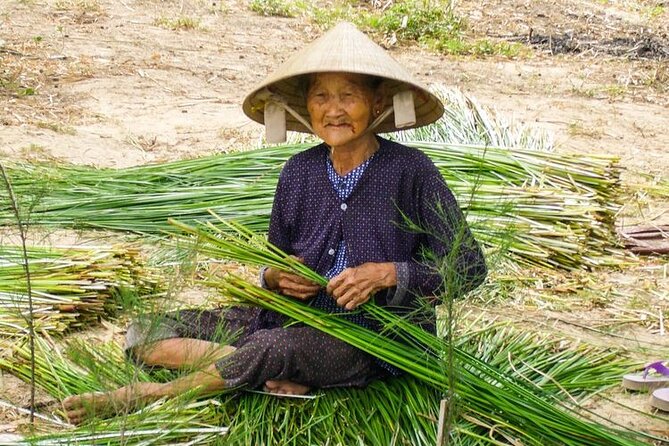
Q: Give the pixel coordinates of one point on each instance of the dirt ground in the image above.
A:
(110, 83)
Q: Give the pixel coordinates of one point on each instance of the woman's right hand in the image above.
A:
(290, 284)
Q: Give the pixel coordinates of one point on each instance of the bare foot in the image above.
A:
(285, 387)
(104, 404)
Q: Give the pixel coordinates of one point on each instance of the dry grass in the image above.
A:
(183, 23)
(34, 152)
(56, 127)
(32, 73)
(579, 128)
(81, 6)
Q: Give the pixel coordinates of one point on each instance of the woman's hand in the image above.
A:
(290, 284)
(355, 286)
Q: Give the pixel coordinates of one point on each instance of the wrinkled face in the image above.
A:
(340, 106)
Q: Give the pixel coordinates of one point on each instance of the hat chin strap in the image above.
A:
(297, 116)
(379, 119)
(404, 109)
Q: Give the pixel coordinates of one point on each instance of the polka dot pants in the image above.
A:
(265, 349)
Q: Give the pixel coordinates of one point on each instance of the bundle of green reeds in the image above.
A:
(522, 412)
(71, 286)
(83, 368)
(170, 422)
(552, 210)
(405, 411)
(583, 193)
(526, 412)
(399, 411)
(140, 199)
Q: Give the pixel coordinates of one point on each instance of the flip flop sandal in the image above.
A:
(647, 381)
(660, 399)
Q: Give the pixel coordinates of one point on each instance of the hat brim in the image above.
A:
(344, 49)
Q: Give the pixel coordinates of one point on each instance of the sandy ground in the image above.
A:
(115, 86)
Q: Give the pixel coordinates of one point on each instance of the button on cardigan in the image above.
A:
(399, 185)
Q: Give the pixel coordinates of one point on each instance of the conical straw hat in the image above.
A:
(342, 49)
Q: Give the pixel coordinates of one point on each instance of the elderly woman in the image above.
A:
(341, 207)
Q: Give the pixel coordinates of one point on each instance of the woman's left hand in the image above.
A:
(355, 286)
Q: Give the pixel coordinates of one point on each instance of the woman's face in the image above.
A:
(340, 106)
